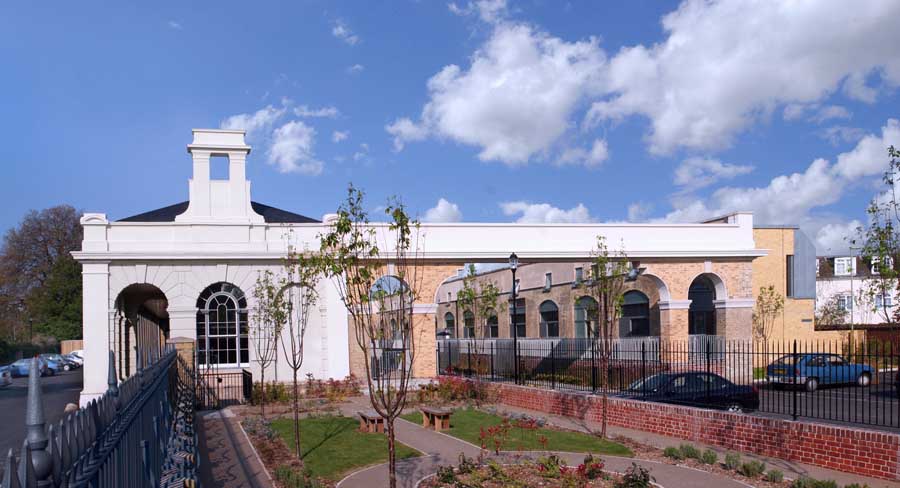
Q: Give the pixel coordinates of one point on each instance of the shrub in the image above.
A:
(550, 466)
(331, 389)
(752, 469)
(673, 453)
(689, 452)
(446, 474)
(805, 482)
(709, 457)
(774, 476)
(636, 477)
(591, 468)
(274, 393)
(290, 478)
(856, 485)
(732, 461)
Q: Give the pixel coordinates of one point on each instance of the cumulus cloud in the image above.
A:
(516, 97)
(343, 32)
(638, 211)
(815, 112)
(725, 65)
(833, 238)
(362, 153)
(444, 211)
(355, 69)
(696, 173)
(292, 149)
(489, 11)
(338, 136)
(174, 24)
(837, 134)
(255, 123)
(306, 111)
(598, 153)
(545, 213)
(405, 130)
(790, 198)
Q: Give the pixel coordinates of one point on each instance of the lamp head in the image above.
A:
(513, 261)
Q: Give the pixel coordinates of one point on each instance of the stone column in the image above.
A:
(96, 324)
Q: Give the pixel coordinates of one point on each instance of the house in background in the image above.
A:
(842, 280)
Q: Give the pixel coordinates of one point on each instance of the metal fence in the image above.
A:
(140, 433)
(836, 381)
(219, 389)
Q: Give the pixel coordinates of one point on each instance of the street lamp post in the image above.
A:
(513, 265)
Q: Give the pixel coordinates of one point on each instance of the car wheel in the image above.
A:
(735, 408)
(864, 380)
(66, 368)
(812, 385)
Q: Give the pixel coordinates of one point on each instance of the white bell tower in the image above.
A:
(219, 200)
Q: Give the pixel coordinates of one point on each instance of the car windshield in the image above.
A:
(786, 361)
(649, 384)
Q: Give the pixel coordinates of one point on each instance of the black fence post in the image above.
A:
(643, 370)
(593, 366)
(708, 364)
(492, 361)
(552, 368)
(795, 386)
(469, 358)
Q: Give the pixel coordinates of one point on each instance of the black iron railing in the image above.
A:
(221, 388)
(838, 381)
(140, 433)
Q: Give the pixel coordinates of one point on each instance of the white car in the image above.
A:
(79, 353)
(5, 377)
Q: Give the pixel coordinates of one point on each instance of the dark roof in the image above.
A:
(271, 215)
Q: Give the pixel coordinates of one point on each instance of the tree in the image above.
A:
(299, 294)
(769, 304)
(479, 298)
(382, 316)
(28, 258)
(832, 313)
(609, 272)
(268, 316)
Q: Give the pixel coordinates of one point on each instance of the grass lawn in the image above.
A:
(467, 424)
(332, 446)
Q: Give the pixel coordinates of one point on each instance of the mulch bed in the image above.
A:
(518, 476)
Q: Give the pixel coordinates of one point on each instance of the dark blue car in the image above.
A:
(695, 388)
(812, 370)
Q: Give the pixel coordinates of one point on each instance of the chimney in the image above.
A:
(219, 200)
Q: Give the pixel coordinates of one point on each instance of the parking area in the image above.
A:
(58, 391)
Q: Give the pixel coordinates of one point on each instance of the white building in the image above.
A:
(187, 271)
(846, 279)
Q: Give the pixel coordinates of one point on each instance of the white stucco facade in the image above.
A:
(219, 237)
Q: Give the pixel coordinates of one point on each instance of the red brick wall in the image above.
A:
(846, 449)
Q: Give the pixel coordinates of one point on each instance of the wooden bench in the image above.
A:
(370, 421)
(437, 418)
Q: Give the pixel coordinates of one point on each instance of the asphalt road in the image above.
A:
(58, 391)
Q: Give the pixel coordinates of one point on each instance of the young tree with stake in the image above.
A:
(381, 315)
(268, 316)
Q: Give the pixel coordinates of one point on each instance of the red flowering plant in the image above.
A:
(494, 437)
(591, 468)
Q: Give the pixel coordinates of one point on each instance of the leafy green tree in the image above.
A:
(831, 312)
(55, 307)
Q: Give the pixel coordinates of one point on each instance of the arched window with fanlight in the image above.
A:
(222, 326)
(635, 321)
(586, 312)
(549, 319)
(468, 324)
(492, 328)
(449, 325)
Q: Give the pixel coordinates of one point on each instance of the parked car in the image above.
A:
(54, 365)
(813, 370)
(79, 353)
(5, 376)
(695, 388)
(75, 359)
(63, 363)
(22, 366)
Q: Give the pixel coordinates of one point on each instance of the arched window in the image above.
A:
(222, 326)
(449, 325)
(517, 318)
(586, 311)
(549, 319)
(635, 320)
(468, 324)
(493, 325)
(702, 311)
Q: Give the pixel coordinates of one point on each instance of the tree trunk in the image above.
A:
(296, 418)
(262, 400)
(605, 414)
(392, 454)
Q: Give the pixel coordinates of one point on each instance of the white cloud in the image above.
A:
(489, 11)
(790, 198)
(405, 130)
(355, 69)
(695, 173)
(598, 153)
(840, 133)
(833, 238)
(638, 211)
(343, 32)
(726, 65)
(515, 99)
(305, 111)
(444, 211)
(338, 136)
(362, 153)
(255, 123)
(174, 24)
(815, 112)
(292, 149)
(545, 213)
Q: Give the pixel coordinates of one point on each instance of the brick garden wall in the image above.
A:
(851, 450)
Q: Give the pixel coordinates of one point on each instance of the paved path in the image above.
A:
(442, 449)
(226, 458)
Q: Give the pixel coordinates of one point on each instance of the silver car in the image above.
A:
(5, 377)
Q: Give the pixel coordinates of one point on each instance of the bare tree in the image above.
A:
(381, 310)
(609, 272)
(478, 298)
(299, 294)
(769, 303)
(268, 316)
(833, 312)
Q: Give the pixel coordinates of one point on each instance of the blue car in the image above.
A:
(812, 370)
(22, 366)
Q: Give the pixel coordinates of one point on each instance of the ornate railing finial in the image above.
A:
(35, 433)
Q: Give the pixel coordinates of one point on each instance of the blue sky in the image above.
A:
(531, 111)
